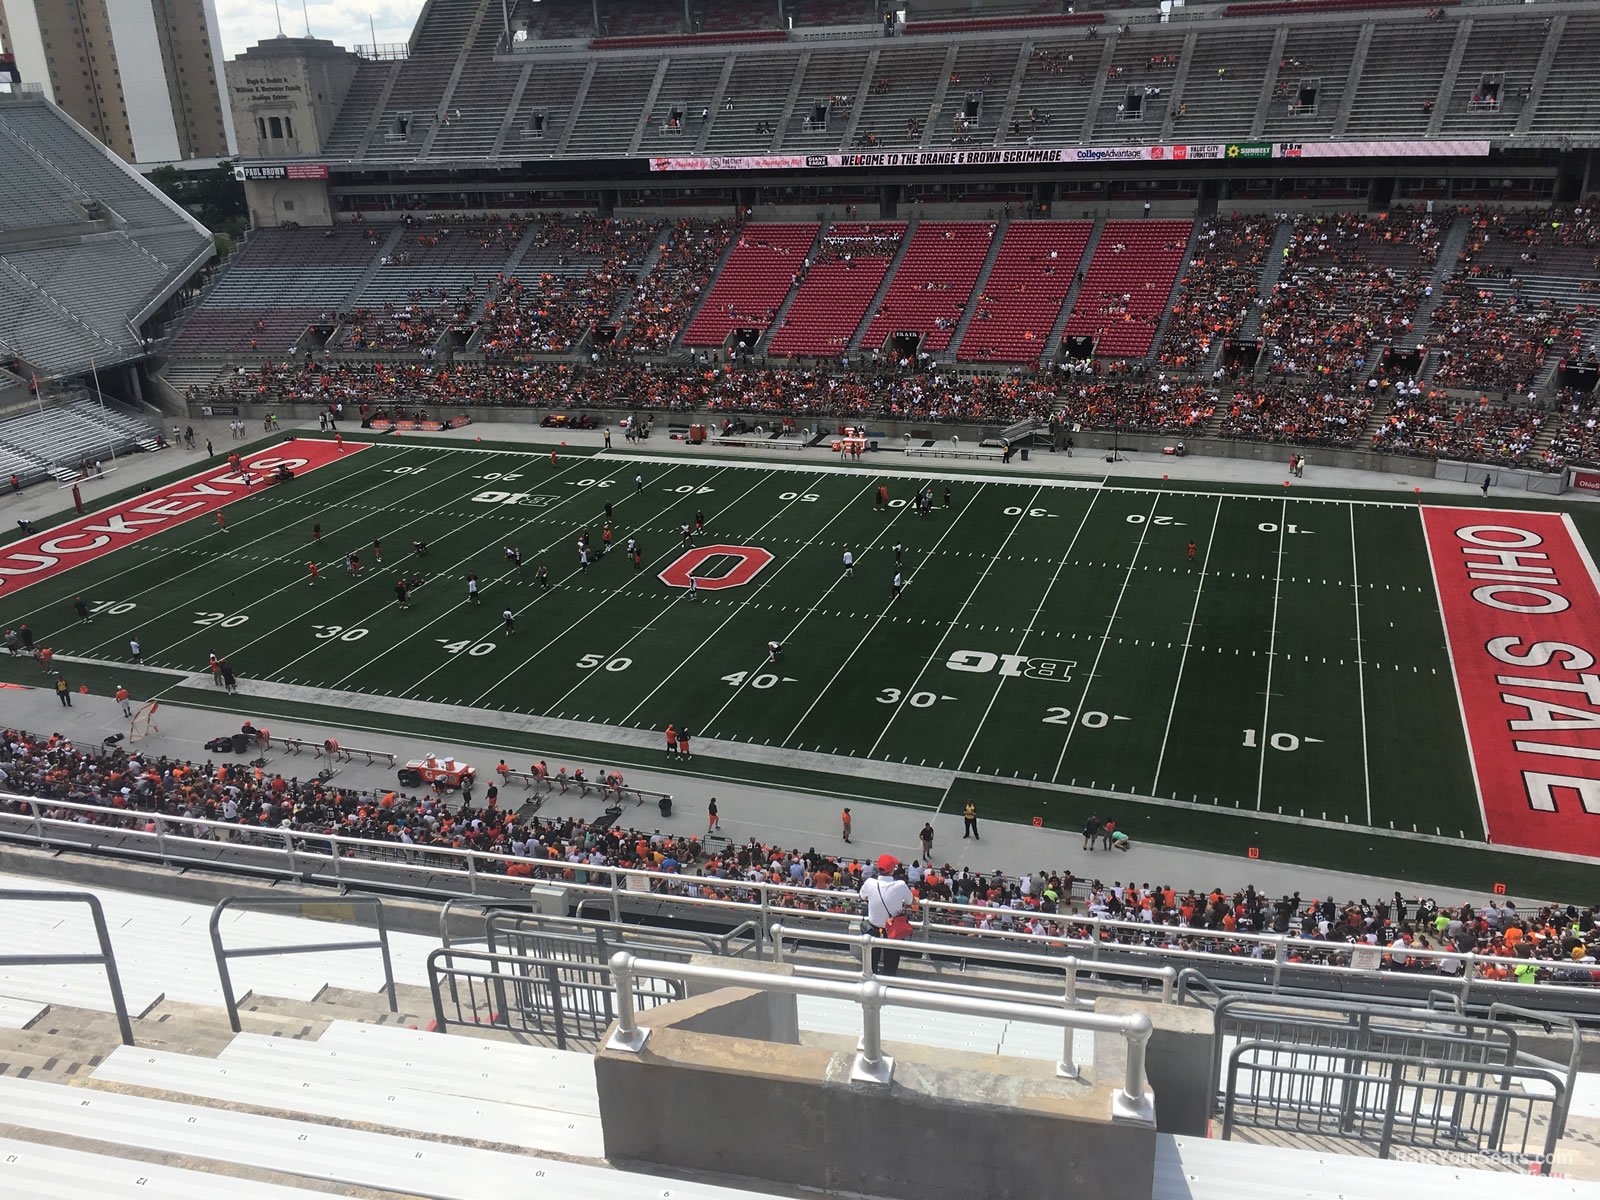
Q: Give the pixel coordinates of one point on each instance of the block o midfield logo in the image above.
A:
(746, 563)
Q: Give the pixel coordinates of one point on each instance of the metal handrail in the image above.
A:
(1130, 1102)
(380, 943)
(303, 860)
(1068, 965)
(107, 957)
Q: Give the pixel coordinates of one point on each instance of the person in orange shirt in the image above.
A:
(311, 570)
(122, 699)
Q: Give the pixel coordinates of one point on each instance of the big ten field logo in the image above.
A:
(526, 499)
(1011, 666)
(713, 568)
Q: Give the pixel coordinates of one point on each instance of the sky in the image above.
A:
(246, 22)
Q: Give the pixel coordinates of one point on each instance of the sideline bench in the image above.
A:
(563, 782)
(334, 750)
(945, 451)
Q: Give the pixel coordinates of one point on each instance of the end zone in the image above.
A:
(46, 555)
(1520, 599)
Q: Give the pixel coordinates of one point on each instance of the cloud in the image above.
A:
(245, 22)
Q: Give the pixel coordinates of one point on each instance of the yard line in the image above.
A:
(293, 556)
(950, 625)
(1032, 621)
(1272, 649)
(1361, 676)
(673, 552)
(565, 535)
(838, 579)
(168, 581)
(1094, 670)
(1188, 637)
(299, 617)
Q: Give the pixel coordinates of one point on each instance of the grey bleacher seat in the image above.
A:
(981, 67)
(1056, 91)
(71, 151)
(1497, 67)
(1224, 82)
(831, 71)
(67, 434)
(1311, 81)
(610, 112)
(757, 89)
(1114, 120)
(913, 74)
(478, 104)
(1405, 65)
(47, 335)
(355, 114)
(102, 280)
(44, 1172)
(687, 91)
(545, 110)
(1570, 102)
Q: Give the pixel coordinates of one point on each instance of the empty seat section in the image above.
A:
(834, 295)
(675, 123)
(1311, 80)
(1138, 87)
(1223, 84)
(478, 104)
(1405, 65)
(753, 283)
(545, 110)
(975, 97)
(1125, 291)
(1031, 276)
(752, 105)
(827, 97)
(610, 112)
(933, 283)
(895, 109)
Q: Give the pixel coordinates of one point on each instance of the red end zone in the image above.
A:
(1521, 603)
(45, 555)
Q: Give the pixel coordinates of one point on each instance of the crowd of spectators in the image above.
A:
(1554, 941)
(1220, 287)
(1165, 406)
(1295, 414)
(1497, 341)
(1434, 426)
(664, 299)
(1349, 280)
(415, 325)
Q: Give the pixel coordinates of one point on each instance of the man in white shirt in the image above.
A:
(886, 897)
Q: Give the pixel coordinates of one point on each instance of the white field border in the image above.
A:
(1455, 679)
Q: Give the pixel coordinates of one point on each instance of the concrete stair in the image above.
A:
(1048, 354)
(978, 284)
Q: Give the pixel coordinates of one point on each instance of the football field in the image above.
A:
(1055, 644)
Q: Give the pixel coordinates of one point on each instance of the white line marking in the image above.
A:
(1029, 628)
(1187, 639)
(1361, 675)
(1094, 670)
(1272, 648)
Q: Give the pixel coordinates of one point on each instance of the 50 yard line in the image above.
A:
(1188, 638)
(1133, 561)
(1272, 650)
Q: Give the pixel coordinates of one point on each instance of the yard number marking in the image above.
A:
(221, 620)
(589, 661)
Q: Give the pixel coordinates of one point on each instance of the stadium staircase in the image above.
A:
(577, 106)
(625, 295)
(1450, 246)
(782, 313)
(1008, 106)
(948, 354)
(1358, 63)
(1452, 68)
(1377, 418)
(1047, 356)
(867, 317)
(442, 110)
(705, 292)
(1271, 272)
(1172, 294)
(1554, 40)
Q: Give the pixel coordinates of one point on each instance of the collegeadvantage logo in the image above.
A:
(1112, 154)
(1249, 149)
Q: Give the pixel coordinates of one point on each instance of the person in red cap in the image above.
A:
(886, 898)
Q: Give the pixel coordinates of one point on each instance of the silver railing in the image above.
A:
(106, 958)
(1423, 1081)
(442, 871)
(1130, 1102)
(370, 904)
(1070, 968)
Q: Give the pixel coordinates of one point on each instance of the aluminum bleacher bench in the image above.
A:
(947, 451)
(564, 782)
(333, 750)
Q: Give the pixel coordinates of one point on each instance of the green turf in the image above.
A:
(1315, 689)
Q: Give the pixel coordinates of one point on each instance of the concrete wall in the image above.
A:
(1177, 1063)
(950, 1123)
